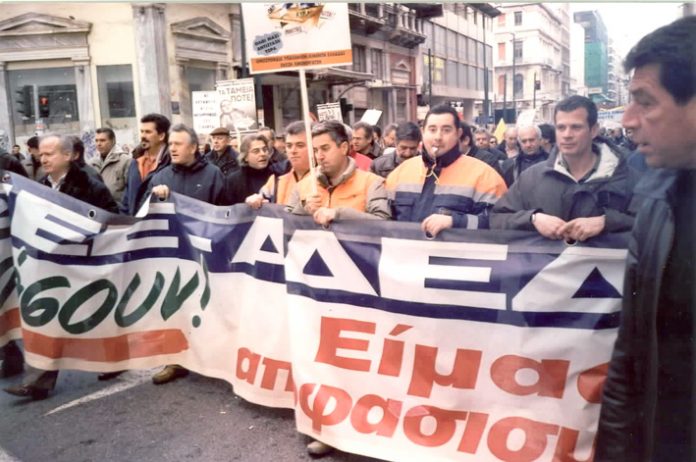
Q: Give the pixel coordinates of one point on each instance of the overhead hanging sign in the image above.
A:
(293, 36)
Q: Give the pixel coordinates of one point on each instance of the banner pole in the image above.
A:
(308, 129)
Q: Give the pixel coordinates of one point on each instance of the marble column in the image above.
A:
(151, 58)
(5, 113)
(85, 100)
(184, 93)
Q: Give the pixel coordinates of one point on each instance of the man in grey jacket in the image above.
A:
(111, 163)
(583, 189)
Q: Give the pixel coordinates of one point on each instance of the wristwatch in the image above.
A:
(533, 217)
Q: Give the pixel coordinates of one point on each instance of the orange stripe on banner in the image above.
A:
(109, 349)
(319, 58)
(9, 320)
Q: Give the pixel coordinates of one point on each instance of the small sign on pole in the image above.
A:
(329, 111)
(205, 111)
(371, 116)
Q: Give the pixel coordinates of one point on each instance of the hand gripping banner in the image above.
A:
(480, 345)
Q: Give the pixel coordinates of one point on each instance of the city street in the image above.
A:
(130, 419)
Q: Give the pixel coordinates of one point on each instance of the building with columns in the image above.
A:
(73, 67)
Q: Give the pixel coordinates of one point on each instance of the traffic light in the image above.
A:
(345, 107)
(43, 106)
(25, 102)
(537, 84)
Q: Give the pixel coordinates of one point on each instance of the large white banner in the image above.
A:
(480, 346)
(291, 36)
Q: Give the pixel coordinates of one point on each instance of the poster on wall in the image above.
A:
(205, 111)
(292, 36)
(236, 105)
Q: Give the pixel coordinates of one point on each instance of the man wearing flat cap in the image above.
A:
(222, 155)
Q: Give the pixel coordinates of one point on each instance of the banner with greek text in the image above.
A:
(478, 345)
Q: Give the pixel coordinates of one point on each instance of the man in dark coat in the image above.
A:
(531, 154)
(582, 190)
(408, 137)
(153, 157)
(63, 174)
(648, 405)
(191, 175)
(222, 155)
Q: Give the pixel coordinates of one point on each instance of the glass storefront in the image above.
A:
(43, 100)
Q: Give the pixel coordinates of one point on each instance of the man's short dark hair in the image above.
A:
(482, 131)
(162, 124)
(109, 133)
(548, 132)
(78, 148)
(369, 129)
(16, 146)
(33, 142)
(574, 102)
(377, 131)
(673, 48)
(408, 131)
(466, 133)
(295, 128)
(444, 109)
(181, 128)
(389, 128)
(267, 129)
(335, 129)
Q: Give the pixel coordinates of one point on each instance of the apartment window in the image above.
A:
(378, 64)
(461, 80)
(480, 73)
(359, 62)
(501, 51)
(440, 39)
(438, 70)
(461, 41)
(519, 85)
(451, 73)
(116, 91)
(518, 49)
(501, 20)
(451, 44)
(479, 53)
(518, 18)
(501, 85)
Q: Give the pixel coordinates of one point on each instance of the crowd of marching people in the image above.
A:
(568, 180)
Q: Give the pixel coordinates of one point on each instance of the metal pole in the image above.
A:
(514, 96)
(485, 76)
(505, 98)
(535, 85)
(430, 77)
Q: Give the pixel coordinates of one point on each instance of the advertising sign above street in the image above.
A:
(293, 36)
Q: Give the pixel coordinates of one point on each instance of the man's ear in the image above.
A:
(594, 130)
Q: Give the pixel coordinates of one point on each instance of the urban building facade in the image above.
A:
(532, 58)
(596, 57)
(457, 60)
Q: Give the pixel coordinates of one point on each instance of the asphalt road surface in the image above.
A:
(130, 419)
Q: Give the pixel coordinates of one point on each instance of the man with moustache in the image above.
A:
(154, 157)
(277, 189)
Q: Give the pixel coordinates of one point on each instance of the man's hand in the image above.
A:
(312, 204)
(581, 229)
(324, 215)
(435, 223)
(161, 191)
(255, 201)
(548, 226)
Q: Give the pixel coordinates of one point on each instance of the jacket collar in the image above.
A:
(442, 161)
(607, 163)
(197, 165)
(347, 173)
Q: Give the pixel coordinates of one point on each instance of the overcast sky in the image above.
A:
(629, 22)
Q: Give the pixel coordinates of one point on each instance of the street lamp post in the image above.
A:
(514, 62)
